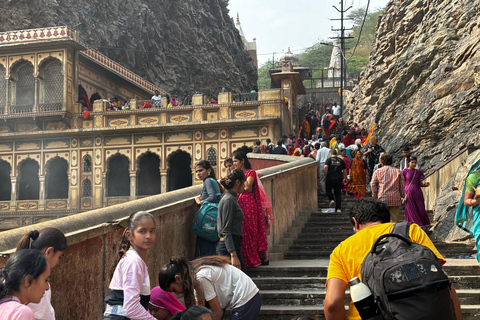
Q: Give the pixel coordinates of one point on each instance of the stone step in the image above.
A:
(276, 312)
(326, 230)
(327, 234)
(308, 255)
(296, 298)
(318, 268)
(317, 297)
(290, 283)
(313, 244)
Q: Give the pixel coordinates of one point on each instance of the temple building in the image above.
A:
(60, 156)
(250, 46)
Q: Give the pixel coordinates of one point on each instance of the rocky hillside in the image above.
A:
(178, 45)
(418, 87)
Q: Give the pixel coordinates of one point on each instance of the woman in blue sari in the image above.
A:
(468, 211)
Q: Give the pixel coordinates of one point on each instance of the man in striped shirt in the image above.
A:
(388, 185)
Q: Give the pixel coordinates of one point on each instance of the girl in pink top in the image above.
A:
(52, 243)
(129, 290)
(21, 282)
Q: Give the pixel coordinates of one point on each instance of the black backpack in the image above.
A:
(406, 278)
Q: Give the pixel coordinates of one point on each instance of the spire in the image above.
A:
(238, 18)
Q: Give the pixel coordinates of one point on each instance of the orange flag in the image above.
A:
(369, 135)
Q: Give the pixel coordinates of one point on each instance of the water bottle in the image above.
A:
(363, 299)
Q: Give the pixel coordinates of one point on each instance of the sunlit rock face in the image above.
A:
(419, 86)
(420, 89)
(179, 45)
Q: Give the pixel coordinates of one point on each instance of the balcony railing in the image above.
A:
(49, 107)
(21, 109)
(242, 97)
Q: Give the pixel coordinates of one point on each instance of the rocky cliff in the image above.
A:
(178, 45)
(418, 87)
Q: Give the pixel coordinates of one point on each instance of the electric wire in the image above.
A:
(359, 33)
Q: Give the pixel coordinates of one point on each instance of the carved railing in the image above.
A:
(243, 97)
(40, 34)
(21, 109)
(49, 107)
(118, 69)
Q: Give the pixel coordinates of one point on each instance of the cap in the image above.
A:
(354, 281)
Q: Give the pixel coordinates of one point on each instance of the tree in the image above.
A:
(365, 46)
(264, 81)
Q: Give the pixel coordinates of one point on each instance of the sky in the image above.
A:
(298, 24)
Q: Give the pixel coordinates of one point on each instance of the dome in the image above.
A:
(289, 56)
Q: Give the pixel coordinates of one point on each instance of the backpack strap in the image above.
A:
(215, 186)
(402, 228)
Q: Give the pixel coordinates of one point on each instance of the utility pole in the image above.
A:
(343, 63)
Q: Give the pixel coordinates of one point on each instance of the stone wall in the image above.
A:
(79, 282)
(447, 200)
(418, 87)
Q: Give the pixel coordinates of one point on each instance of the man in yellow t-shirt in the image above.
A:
(371, 219)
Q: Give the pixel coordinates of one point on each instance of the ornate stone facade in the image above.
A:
(59, 161)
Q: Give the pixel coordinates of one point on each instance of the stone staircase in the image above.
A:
(296, 285)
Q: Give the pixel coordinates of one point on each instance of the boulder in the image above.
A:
(178, 45)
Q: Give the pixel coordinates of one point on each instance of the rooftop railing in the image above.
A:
(243, 97)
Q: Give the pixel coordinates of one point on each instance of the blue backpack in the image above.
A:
(205, 222)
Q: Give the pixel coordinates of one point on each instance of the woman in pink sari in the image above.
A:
(254, 240)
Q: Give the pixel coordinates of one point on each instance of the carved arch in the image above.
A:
(118, 175)
(56, 178)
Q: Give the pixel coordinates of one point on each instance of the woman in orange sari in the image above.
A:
(358, 176)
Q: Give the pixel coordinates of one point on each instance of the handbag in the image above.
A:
(205, 221)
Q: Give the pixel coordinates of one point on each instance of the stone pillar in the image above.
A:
(7, 96)
(13, 197)
(104, 188)
(133, 185)
(41, 199)
(198, 100)
(35, 103)
(163, 181)
(224, 97)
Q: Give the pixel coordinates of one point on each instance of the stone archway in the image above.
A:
(28, 181)
(51, 85)
(148, 174)
(5, 182)
(56, 179)
(179, 170)
(118, 176)
(23, 88)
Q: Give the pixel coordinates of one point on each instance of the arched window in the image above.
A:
(148, 174)
(118, 176)
(3, 90)
(179, 172)
(51, 86)
(212, 156)
(5, 182)
(87, 163)
(28, 181)
(56, 179)
(87, 188)
(22, 88)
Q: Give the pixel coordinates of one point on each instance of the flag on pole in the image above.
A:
(369, 135)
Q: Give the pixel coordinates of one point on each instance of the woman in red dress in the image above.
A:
(254, 240)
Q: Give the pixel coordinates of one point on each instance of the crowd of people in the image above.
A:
(118, 104)
(350, 160)
(217, 277)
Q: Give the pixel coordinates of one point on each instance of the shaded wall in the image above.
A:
(79, 282)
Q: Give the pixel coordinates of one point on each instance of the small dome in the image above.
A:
(289, 56)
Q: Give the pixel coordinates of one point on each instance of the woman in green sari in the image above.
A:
(468, 211)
